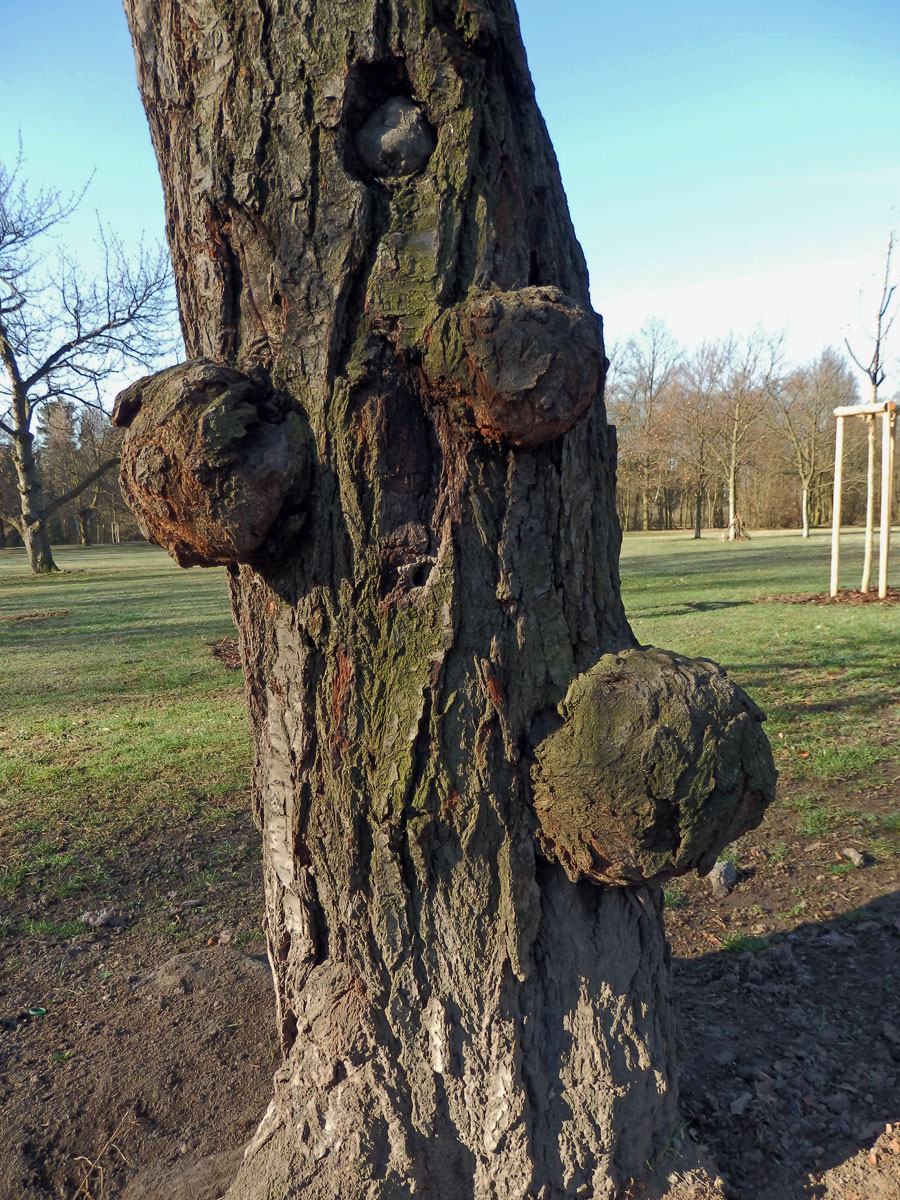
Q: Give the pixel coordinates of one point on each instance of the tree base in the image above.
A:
(561, 1083)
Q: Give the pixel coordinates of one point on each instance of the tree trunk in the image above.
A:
(37, 545)
(732, 498)
(367, 220)
(33, 526)
(82, 519)
(645, 509)
(698, 514)
(804, 510)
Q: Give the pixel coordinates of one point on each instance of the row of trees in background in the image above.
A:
(728, 433)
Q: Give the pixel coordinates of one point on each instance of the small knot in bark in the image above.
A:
(209, 460)
(524, 365)
(396, 139)
(661, 761)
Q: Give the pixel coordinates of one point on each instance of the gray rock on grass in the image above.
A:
(722, 878)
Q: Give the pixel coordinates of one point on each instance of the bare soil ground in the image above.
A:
(136, 1054)
(788, 992)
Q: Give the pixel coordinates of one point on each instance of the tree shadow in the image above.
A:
(791, 1057)
(689, 606)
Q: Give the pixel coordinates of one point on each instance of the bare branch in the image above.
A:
(85, 483)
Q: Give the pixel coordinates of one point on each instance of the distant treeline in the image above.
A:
(729, 430)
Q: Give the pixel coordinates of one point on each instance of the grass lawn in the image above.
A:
(828, 676)
(115, 718)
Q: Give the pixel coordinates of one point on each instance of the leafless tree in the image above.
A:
(804, 403)
(749, 375)
(874, 371)
(699, 386)
(64, 335)
(644, 371)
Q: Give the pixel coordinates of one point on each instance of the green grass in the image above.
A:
(827, 676)
(56, 929)
(744, 943)
(115, 715)
(813, 820)
(673, 896)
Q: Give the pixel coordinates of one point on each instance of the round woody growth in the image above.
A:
(661, 761)
(209, 460)
(522, 365)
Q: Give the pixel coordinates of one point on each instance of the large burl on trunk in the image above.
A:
(391, 428)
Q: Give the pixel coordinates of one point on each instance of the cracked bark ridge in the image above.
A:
(525, 364)
(661, 762)
(209, 460)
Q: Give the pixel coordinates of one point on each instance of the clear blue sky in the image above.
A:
(727, 164)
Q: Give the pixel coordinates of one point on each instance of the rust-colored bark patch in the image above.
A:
(340, 692)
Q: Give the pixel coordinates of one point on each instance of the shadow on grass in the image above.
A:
(689, 606)
(792, 1054)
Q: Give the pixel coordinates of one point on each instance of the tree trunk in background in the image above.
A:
(732, 493)
(458, 1019)
(804, 510)
(33, 527)
(82, 523)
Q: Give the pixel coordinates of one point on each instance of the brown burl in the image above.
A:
(211, 459)
(468, 777)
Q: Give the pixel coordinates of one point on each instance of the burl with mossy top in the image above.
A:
(468, 778)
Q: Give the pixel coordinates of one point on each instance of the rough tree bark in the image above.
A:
(32, 525)
(392, 432)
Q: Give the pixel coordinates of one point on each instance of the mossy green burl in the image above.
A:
(661, 761)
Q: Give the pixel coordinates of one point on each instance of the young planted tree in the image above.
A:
(874, 371)
(63, 335)
(468, 778)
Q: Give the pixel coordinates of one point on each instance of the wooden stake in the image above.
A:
(836, 505)
(870, 505)
(888, 432)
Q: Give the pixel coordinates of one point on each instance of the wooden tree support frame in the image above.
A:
(888, 413)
